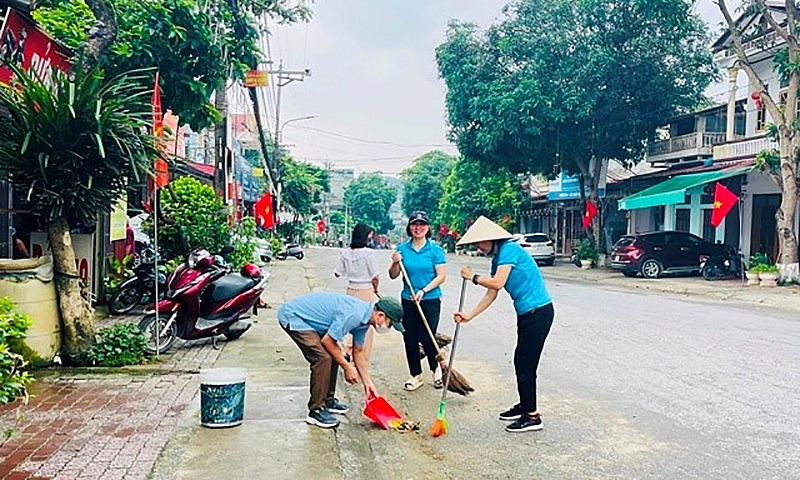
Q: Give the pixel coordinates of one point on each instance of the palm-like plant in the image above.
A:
(73, 145)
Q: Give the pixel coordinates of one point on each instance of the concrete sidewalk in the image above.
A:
(274, 441)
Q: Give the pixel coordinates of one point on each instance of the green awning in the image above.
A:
(673, 191)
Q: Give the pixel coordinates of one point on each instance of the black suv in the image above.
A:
(654, 253)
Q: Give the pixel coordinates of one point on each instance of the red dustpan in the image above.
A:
(381, 412)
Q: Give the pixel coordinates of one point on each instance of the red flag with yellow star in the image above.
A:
(724, 200)
(263, 211)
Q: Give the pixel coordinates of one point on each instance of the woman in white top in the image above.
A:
(359, 266)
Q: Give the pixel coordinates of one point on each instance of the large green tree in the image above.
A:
(557, 84)
(423, 182)
(70, 146)
(473, 189)
(194, 45)
(369, 198)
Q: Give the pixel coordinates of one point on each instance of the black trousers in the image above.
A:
(415, 333)
(532, 330)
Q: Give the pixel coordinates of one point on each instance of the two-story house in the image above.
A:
(718, 144)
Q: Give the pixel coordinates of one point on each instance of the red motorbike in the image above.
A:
(203, 299)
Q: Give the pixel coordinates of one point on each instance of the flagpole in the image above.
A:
(155, 238)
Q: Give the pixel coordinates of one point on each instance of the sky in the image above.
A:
(374, 89)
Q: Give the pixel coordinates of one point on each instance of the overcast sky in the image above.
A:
(374, 86)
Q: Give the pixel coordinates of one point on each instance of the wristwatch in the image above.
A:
(475, 278)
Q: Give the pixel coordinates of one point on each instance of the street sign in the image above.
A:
(256, 78)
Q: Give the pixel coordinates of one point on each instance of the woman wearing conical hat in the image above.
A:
(516, 272)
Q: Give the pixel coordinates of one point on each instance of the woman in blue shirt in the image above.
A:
(425, 264)
(514, 270)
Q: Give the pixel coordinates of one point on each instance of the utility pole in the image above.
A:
(283, 78)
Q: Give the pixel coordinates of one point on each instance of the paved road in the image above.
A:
(632, 385)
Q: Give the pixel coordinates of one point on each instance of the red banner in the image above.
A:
(263, 212)
(22, 43)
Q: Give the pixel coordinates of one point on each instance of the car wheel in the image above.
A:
(628, 273)
(651, 268)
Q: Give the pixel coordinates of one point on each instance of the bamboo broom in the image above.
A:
(457, 384)
(440, 425)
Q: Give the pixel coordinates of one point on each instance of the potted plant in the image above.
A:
(768, 275)
(752, 275)
(587, 253)
(755, 266)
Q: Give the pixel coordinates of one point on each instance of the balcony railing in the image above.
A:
(697, 143)
(744, 148)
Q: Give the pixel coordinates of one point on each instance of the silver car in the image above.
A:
(538, 245)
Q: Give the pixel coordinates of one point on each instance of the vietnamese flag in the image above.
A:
(724, 200)
(162, 171)
(263, 212)
(589, 214)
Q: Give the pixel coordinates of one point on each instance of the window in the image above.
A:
(761, 116)
(709, 232)
(537, 238)
(682, 219)
(782, 100)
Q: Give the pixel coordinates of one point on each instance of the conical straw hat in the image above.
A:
(483, 229)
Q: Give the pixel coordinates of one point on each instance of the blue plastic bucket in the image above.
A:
(222, 397)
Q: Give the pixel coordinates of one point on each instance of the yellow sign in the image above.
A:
(256, 78)
(258, 172)
(119, 220)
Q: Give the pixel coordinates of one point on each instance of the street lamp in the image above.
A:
(280, 130)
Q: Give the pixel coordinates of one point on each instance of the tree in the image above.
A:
(473, 189)
(194, 45)
(369, 198)
(781, 166)
(557, 84)
(303, 185)
(70, 147)
(423, 181)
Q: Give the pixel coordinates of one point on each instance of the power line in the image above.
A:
(375, 142)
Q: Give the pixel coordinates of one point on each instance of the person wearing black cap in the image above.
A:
(425, 264)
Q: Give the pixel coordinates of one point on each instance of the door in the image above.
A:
(687, 250)
(762, 236)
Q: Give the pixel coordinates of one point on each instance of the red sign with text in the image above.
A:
(22, 43)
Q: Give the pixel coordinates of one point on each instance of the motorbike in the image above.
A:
(139, 288)
(726, 263)
(203, 299)
(292, 250)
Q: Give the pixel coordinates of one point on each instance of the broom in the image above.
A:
(439, 426)
(458, 384)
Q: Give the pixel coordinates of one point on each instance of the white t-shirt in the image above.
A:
(359, 266)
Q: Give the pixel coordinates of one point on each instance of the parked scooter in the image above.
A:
(203, 300)
(139, 288)
(292, 250)
(725, 264)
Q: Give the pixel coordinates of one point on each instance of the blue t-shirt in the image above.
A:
(525, 283)
(421, 267)
(336, 314)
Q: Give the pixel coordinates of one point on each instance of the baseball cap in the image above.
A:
(392, 309)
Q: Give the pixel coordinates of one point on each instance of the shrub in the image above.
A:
(198, 218)
(759, 259)
(13, 327)
(118, 345)
(586, 250)
(244, 242)
(764, 268)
